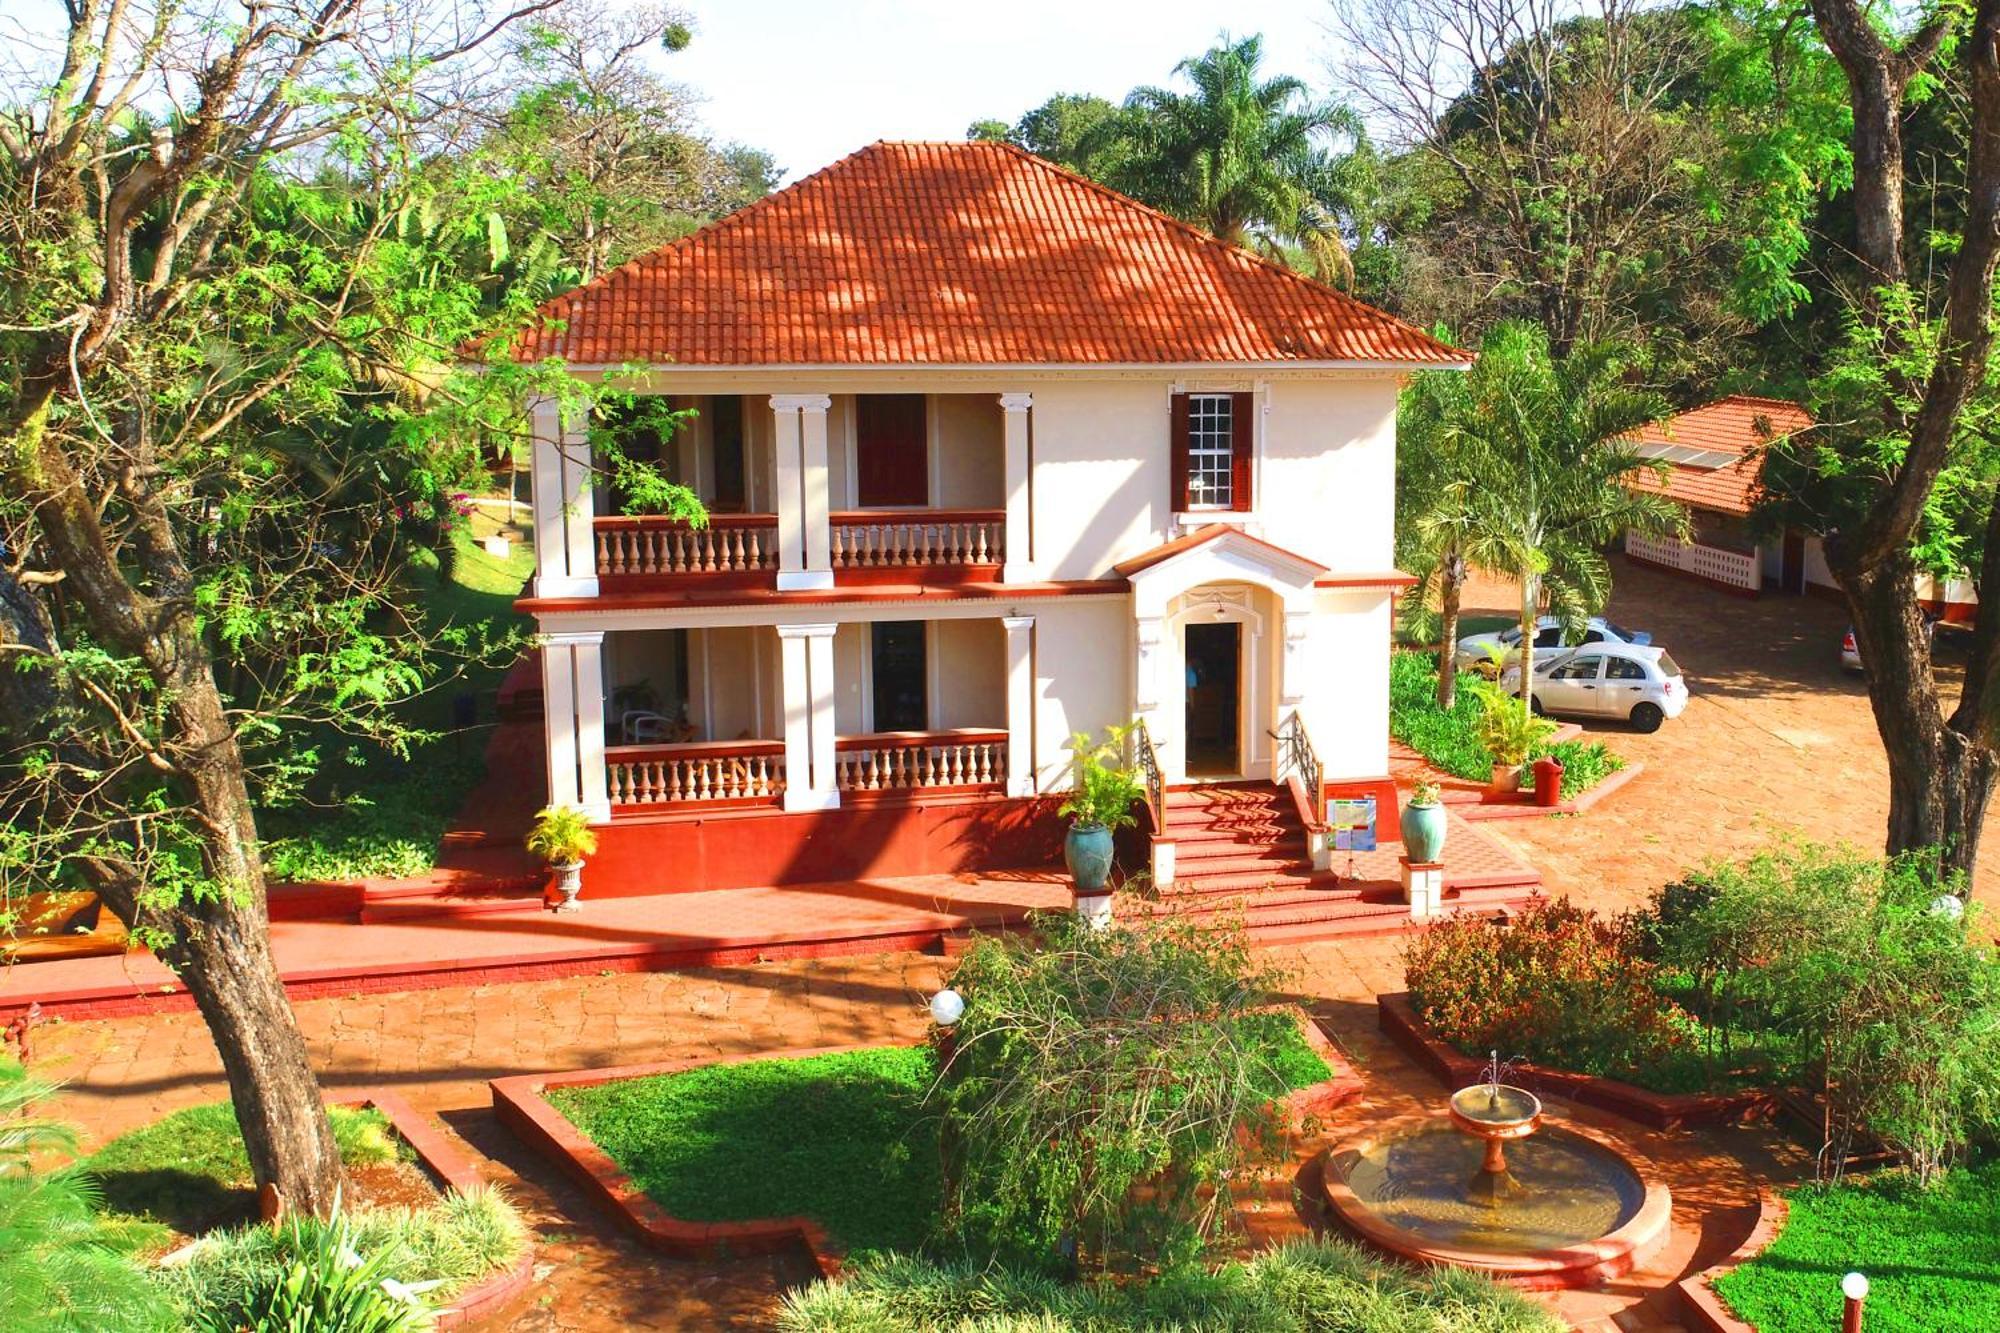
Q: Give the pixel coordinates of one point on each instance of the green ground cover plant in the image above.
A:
(1451, 739)
(1932, 1256)
(1302, 1286)
(190, 1172)
(851, 1139)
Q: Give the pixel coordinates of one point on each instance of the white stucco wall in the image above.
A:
(968, 666)
(1327, 483)
(967, 447)
(1083, 678)
(1346, 706)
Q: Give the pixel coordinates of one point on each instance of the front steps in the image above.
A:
(1242, 855)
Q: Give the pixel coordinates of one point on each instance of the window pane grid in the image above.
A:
(1210, 449)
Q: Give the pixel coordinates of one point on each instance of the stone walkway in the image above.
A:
(438, 1047)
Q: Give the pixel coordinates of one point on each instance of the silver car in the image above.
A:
(1505, 644)
(1635, 683)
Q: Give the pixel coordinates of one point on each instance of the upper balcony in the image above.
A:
(812, 492)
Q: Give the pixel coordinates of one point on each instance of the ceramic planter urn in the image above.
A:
(1424, 828)
(569, 882)
(1087, 852)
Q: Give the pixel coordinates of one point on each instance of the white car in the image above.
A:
(1633, 682)
(1476, 648)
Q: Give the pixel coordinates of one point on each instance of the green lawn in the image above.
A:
(190, 1171)
(389, 813)
(844, 1139)
(1932, 1257)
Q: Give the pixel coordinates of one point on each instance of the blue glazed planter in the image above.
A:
(1423, 832)
(1087, 851)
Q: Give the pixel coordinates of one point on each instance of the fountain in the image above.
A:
(1489, 1186)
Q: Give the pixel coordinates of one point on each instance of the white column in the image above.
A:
(579, 509)
(559, 720)
(587, 673)
(1020, 704)
(788, 500)
(805, 553)
(557, 571)
(806, 671)
(1019, 567)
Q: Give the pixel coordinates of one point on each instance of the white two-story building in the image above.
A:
(992, 455)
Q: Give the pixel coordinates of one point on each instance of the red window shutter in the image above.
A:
(1177, 449)
(1241, 446)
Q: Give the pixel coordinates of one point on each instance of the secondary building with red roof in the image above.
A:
(993, 455)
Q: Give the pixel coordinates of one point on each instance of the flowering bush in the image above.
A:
(1558, 987)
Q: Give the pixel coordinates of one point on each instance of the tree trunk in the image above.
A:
(1941, 774)
(1530, 609)
(1452, 574)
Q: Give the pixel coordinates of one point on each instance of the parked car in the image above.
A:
(1476, 648)
(1850, 651)
(1638, 683)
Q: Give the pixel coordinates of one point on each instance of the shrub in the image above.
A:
(1105, 790)
(1101, 1090)
(1846, 965)
(1302, 1286)
(322, 1282)
(561, 835)
(444, 1248)
(1508, 730)
(1558, 987)
(1584, 763)
(1448, 739)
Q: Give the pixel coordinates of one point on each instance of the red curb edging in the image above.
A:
(520, 1104)
(1476, 811)
(455, 1169)
(1703, 1309)
(1397, 1017)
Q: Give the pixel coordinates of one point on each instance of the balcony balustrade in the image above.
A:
(965, 759)
(655, 545)
(738, 772)
(915, 539)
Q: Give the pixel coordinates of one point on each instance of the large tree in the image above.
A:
(1553, 162)
(1898, 474)
(230, 286)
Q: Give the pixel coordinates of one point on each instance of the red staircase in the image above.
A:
(1241, 854)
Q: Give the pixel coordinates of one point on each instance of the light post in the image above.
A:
(1855, 1288)
(947, 1007)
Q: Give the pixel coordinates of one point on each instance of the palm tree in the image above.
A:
(1436, 518)
(1248, 161)
(1546, 473)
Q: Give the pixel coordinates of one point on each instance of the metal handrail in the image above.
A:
(1147, 760)
(1299, 757)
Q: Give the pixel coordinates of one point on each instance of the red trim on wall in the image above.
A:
(675, 599)
(941, 834)
(1388, 814)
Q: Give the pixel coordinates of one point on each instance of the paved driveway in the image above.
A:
(1776, 739)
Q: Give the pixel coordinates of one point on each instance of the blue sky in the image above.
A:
(812, 80)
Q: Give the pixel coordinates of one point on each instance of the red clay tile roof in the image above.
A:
(1740, 424)
(961, 254)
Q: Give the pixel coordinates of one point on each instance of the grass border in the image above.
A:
(520, 1104)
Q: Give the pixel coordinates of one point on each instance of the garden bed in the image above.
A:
(1932, 1257)
(1397, 1016)
(826, 1147)
(187, 1176)
(1449, 740)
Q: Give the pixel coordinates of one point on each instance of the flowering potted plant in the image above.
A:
(1100, 803)
(562, 836)
(1424, 824)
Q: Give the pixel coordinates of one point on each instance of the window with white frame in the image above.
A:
(1211, 453)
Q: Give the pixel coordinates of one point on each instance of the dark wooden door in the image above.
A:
(900, 692)
(1793, 576)
(892, 457)
(725, 418)
(1214, 657)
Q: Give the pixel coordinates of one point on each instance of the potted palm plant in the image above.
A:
(1510, 731)
(1099, 804)
(1424, 824)
(562, 836)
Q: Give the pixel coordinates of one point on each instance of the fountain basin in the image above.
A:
(1585, 1213)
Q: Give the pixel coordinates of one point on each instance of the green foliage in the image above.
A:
(62, 1267)
(1844, 966)
(1932, 1256)
(442, 1249)
(191, 1171)
(1558, 986)
(1584, 764)
(843, 1139)
(1508, 730)
(1104, 789)
(1102, 1089)
(325, 1285)
(1447, 738)
(1300, 1286)
(561, 835)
